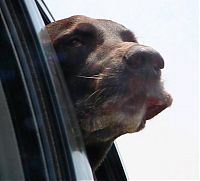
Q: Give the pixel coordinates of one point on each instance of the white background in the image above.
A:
(168, 147)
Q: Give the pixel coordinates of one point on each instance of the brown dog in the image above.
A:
(114, 81)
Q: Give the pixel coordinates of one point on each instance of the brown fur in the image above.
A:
(114, 81)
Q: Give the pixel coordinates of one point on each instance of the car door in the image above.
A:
(40, 139)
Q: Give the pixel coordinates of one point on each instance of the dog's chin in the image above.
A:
(115, 118)
(108, 127)
(119, 114)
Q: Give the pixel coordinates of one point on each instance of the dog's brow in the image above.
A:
(81, 29)
(128, 36)
(85, 28)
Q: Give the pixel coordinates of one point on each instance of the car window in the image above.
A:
(48, 138)
(19, 113)
(112, 167)
(9, 152)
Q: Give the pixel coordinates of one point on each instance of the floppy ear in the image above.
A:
(57, 27)
(64, 25)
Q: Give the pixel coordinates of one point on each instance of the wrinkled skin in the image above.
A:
(114, 81)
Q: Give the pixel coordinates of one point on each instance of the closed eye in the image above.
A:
(76, 38)
(75, 42)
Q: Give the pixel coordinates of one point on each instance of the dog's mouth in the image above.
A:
(131, 117)
(154, 106)
(146, 109)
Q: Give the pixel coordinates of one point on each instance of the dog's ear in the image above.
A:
(62, 26)
(56, 28)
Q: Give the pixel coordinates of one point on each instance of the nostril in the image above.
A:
(134, 61)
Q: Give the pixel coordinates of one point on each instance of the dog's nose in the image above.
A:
(142, 57)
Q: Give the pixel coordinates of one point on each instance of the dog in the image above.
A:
(114, 82)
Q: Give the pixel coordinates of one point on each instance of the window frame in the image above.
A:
(72, 164)
(58, 133)
(112, 167)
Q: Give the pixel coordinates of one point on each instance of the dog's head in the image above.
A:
(114, 82)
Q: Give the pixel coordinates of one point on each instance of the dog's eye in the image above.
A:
(76, 42)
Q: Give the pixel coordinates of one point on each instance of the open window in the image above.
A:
(112, 168)
(45, 141)
(40, 137)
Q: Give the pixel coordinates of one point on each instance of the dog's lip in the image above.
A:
(155, 105)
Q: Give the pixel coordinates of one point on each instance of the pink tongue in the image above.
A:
(154, 101)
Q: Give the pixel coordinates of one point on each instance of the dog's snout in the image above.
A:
(142, 57)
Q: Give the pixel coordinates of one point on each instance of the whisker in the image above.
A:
(99, 92)
(95, 92)
(92, 77)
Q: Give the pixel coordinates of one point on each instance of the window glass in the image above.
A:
(16, 113)
(49, 140)
(10, 165)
